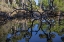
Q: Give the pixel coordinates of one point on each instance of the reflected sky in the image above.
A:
(36, 38)
(36, 2)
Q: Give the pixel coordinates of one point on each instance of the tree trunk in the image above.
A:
(8, 2)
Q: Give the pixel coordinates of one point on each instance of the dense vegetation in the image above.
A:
(58, 4)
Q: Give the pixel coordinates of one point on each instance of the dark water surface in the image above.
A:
(35, 37)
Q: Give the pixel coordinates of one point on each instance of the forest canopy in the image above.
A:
(11, 4)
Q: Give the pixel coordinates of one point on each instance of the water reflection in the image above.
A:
(35, 33)
(39, 37)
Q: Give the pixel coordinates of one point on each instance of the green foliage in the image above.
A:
(17, 1)
(45, 2)
(59, 4)
(15, 5)
(34, 6)
(33, 2)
